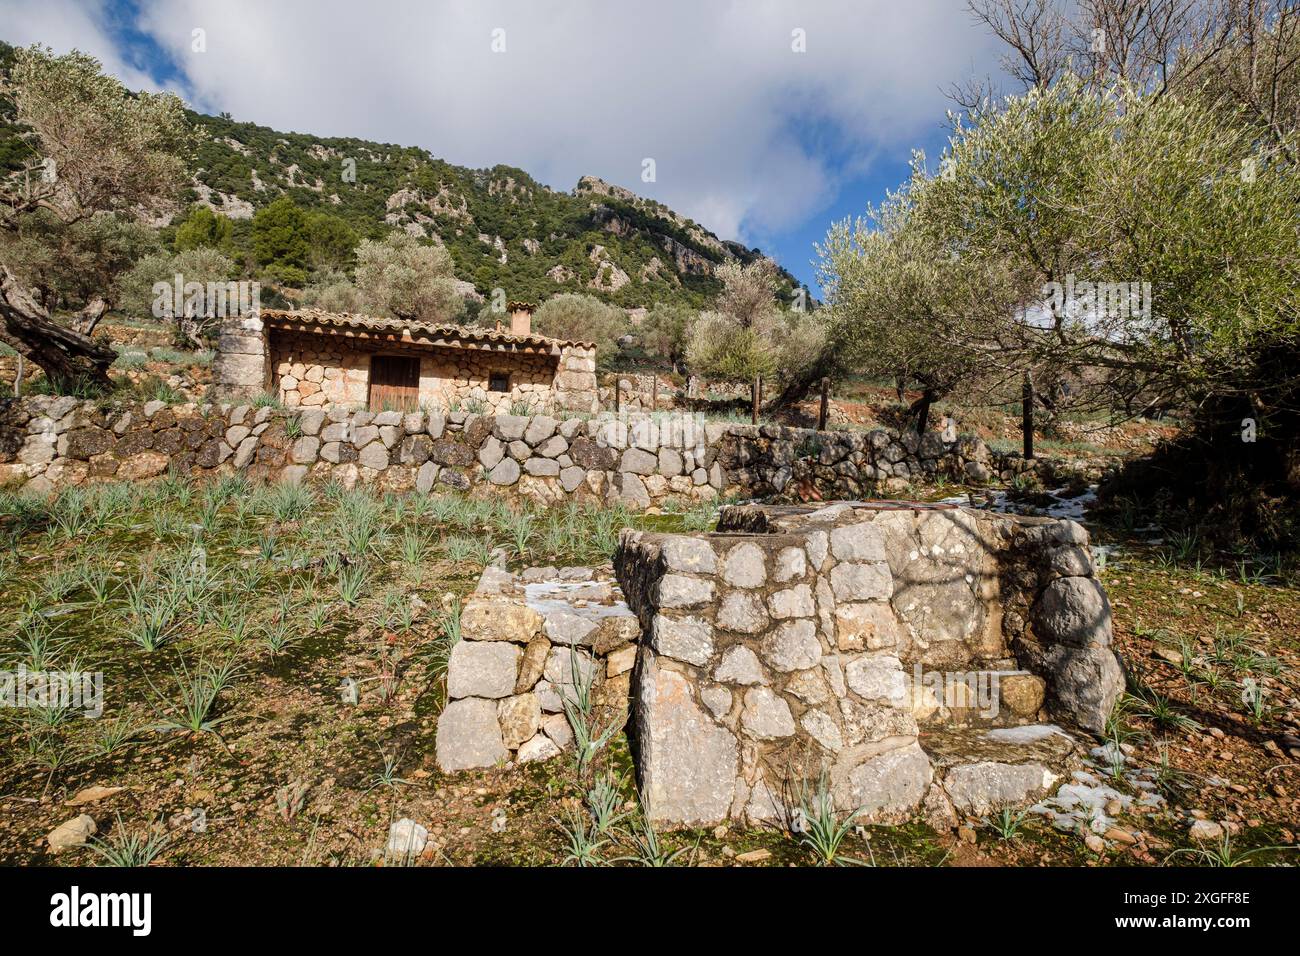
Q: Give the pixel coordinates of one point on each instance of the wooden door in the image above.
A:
(394, 383)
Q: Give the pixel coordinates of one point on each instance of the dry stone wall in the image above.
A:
(529, 641)
(640, 460)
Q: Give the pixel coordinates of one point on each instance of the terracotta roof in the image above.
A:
(425, 333)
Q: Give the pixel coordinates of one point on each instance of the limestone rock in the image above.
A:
(792, 602)
(877, 678)
(823, 729)
(1074, 611)
(766, 715)
(791, 565)
(406, 838)
(540, 747)
(858, 542)
(569, 627)
(499, 619)
(532, 663)
(678, 590)
(861, 582)
(742, 612)
(744, 566)
(690, 555)
(469, 735)
(937, 810)
(886, 787)
(865, 626)
(792, 646)
(504, 472)
(688, 762)
(638, 462)
(979, 788)
(739, 666)
(1022, 693)
(482, 669)
(556, 726)
(717, 698)
(1086, 684)
(688, 639)
(520, 718)
(621, 661)
(71, 833)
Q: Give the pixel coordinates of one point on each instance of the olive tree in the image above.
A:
(93, 148)
(583, 318)
(400, 276)
(749, 336)
(197, 316)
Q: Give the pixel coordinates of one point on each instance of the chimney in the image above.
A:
(521, 318)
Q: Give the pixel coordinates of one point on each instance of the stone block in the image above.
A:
(469, 735)
(482, 669)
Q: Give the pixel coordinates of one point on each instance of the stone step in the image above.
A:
(978, 771)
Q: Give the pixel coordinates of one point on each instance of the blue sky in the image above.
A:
(766, 119)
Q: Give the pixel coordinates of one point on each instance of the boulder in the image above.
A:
(71, 833)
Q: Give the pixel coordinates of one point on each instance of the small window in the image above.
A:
(499, 382)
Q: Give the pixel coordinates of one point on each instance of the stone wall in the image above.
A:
(524, 639)
(316, 371)
(639, 460)
(241, 367)
(978, 591)
(776, 650)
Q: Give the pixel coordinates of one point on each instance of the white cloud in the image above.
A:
(66, 25)
(711, 91)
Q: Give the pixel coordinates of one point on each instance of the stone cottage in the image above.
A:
(311, 358)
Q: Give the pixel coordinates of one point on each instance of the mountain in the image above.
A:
(502, 228)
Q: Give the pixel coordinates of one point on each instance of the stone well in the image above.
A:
(796, 642)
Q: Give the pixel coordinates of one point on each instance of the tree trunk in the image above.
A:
(69, 359)
(796, 388)
(824, 409)
(921, 408)
(1027, 415)
(89, 316)
(756, 393)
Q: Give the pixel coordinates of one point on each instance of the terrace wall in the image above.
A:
(47, 442)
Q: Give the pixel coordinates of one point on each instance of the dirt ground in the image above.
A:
(282, 770)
